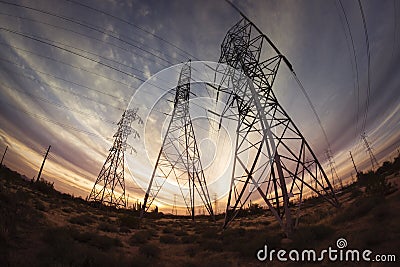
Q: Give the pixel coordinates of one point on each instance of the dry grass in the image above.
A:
(57, 230)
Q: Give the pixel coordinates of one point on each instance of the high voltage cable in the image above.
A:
(74, 110)
(61, 89)
(134, 25)
(70, 127)
(72, 52)
(68, 81)
(38, 39)
(355, 61)
(68, 91)
(78, 33)
(92, 27)
(394, 27)
(65, 63)
(368, 65)
(33, 96)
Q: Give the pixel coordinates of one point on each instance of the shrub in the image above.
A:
(181, 233)
(150, 250)
(124, 229)
(129, 221)
(308, 235)
(167, 230)
(139, 237)
(101, 242)
(40, 206)
(67, 210)
(210, 233)
(358, 208)
(375, 184)
(191, 250)
(169, 239)
(104, 242)
(189, 239)
(107, 227)
(44, 187)
(83, 219)
(211, 245)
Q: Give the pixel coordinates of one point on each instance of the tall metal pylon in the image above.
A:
(109, 188)
(280, 163)
(331, 163)
(179, 156)
(374, 162)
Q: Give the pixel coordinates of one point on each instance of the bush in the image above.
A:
(44, 187)
(150, 250)
(375, 184)
(308, 235)
(191, 250)
(167, 230)
(40, 206)
(139, 237)
(211, 245)
(68, 247)
(129, 221)
(104, 242)
(358, 208)
(210, 233)
(107, 227)
(67, 210)
(83, 219)
(169, 239)
(181, 233)
(101, 242)
(124, 229)
(189, 239)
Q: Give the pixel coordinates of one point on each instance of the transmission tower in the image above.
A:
(109, 188)
(331, 164)
(174, 210)
(179, 157)
(374, 162)
(280, 163)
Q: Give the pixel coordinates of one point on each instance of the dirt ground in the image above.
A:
(42, 227)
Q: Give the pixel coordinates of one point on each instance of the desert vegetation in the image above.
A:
(50, 228)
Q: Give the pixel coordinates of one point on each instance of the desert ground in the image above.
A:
(40, 226)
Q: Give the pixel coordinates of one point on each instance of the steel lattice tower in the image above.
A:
(280, 162)
(109, 188)
(372, 157)
(331, 164)
(179, 156)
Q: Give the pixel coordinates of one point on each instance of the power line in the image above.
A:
(59, 105)
(134, 25)
(21, 74)
(72, 52)
(88, 26)
(368, 65)
(34, 115)
(83, 35)
(68, 81)
(64, 63)
(83, 56)
(355, 63)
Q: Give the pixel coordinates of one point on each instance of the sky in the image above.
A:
(68, 71)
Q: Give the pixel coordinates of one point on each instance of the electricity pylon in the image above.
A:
(331, 164)
(279, 162)
(179, 157)
(374, 162)
(109, 188)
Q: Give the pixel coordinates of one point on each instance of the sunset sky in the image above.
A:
(68, 71)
